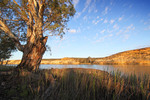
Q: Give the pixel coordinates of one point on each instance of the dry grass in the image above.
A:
(73, 84)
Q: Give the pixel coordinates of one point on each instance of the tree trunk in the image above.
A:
(32, 55)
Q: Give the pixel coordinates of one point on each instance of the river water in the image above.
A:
(139, 70)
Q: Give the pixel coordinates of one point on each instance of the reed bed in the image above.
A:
(73, 84)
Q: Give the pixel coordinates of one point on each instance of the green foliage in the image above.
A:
(4, 3)
(56, 14)
(9, 15)
(6, 46)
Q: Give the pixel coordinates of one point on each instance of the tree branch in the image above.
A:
(13, 20)
(20, 13)
(5, 28)
(30, 25)
(33, 6)
(46, 25)
(41, 7)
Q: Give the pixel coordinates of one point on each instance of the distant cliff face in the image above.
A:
(138, 56)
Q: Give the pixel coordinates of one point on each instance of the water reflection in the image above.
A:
(139, 70)
(134, 69)
(125, 69)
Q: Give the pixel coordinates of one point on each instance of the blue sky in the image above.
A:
(101, 28)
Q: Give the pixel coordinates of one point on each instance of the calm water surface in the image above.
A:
(139, 70)
(125, 69)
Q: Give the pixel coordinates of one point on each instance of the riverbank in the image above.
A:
(131, 57)
(72, 84)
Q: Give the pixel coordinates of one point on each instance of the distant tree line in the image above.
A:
(85, 60)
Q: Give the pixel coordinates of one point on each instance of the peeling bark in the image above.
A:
(33, 54)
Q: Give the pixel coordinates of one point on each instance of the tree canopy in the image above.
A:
(17, 15)
(6, 46)
(29, 23)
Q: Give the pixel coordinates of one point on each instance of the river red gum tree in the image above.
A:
(28, 20)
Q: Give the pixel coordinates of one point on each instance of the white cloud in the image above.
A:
(86, 5)
(145, 23)
(103, 38)
(77, 15)
(130, 6)
(75, 2)
(110, 35)
(95, 10)
(111, 3)
(93, 21)
(105, 11)
(148, 28)
(126, 37)
(119, 32)
(97, 21)
(102, 31)
(101, 19)
(120, 18)
(110, 31)
(116, 27)
(129, 28)
(78, 30)
(124, 32)
(92, 7)
(112, 21)
(141, 20)
(96, 36)
(105, 21)
(85, 17)
(72, 31)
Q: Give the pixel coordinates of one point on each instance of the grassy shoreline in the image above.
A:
(73, 84)
(131, 57)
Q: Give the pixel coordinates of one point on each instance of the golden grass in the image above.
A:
(74, 84)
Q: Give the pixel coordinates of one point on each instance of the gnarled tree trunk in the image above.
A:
(35, 47)
(32, 55)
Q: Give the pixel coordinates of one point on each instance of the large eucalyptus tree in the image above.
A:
(27, 23)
